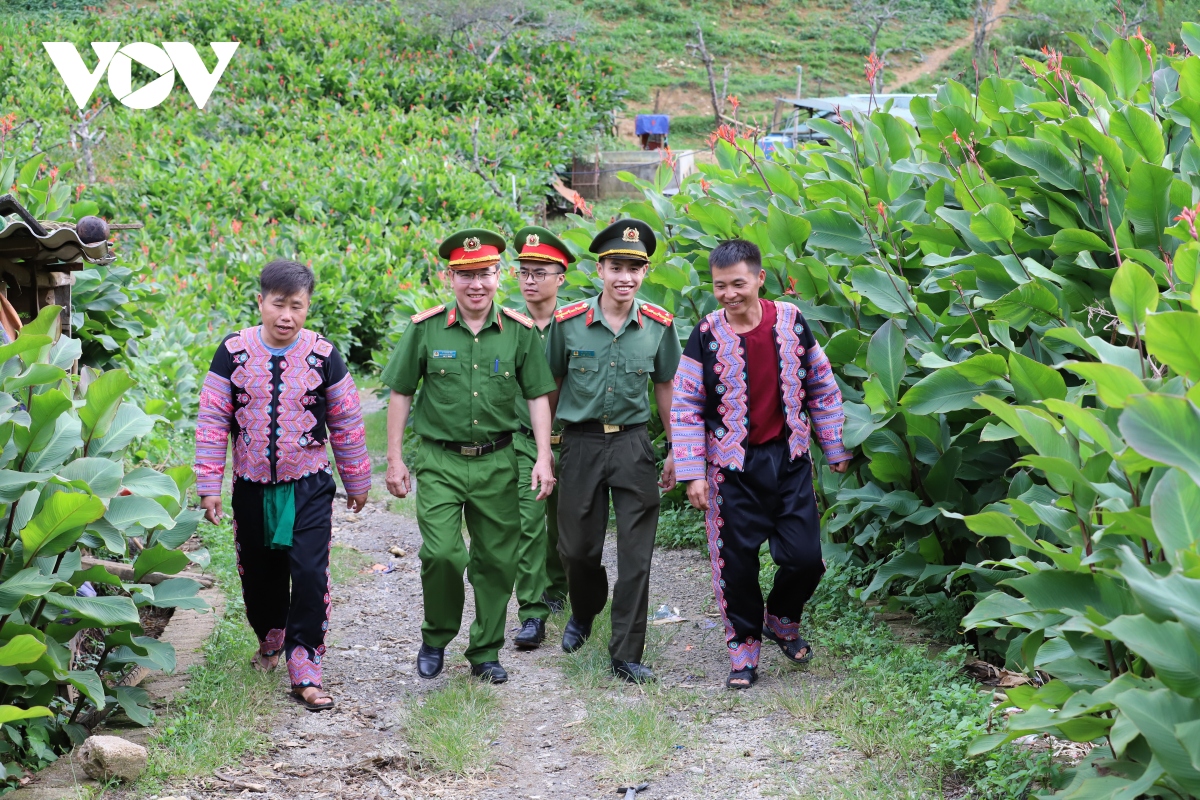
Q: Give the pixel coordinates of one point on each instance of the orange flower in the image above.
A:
(882, 209)
(237, 226)
(734, 102)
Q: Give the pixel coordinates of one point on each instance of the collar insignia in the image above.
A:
(532, 240)
(630, 235)
(471, 244)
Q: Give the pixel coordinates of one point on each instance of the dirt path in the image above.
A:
(935, 58)
(744, 745)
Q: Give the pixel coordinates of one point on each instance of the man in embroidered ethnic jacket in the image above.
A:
(275, 388)
(749, 379)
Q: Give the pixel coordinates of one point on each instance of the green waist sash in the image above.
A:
(279, 515)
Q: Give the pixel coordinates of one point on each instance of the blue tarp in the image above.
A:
(652, 123)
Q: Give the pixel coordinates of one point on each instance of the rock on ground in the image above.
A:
(105, 757)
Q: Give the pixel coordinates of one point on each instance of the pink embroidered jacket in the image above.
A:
(709, 407)
(277, 409)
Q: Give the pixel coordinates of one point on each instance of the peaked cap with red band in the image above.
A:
(474, 248)
(534, 243)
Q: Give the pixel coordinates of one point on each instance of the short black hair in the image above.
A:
(733, 252)
(286, 278)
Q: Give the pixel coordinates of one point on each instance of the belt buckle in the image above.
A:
(469, 451)
(612, 428)
(556, 438)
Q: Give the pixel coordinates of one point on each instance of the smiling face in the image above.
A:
(539, 280)
(737, 286)
(622, 277)
(474, 288)
(282, 316)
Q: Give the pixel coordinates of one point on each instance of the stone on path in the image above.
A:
(107, 757)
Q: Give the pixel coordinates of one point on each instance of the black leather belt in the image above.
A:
(555, 438)
(601, 427)
(473, 450)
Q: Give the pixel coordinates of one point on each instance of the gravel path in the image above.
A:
(743, 745)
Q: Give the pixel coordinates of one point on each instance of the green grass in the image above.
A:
(451, 729)
(376, 425)
(224, 712)
(633, 734)
(346, 564)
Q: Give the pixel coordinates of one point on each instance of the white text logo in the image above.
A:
(166, 60)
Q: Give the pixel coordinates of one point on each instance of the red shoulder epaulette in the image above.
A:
(517, 315)
(572, 310)
(657, 314)
(427, 313)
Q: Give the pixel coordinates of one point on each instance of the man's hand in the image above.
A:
(840, 467)
(697, 493)
(212, 508)
(542, 477)
(399, 482)
(355, 502)
(668, 474)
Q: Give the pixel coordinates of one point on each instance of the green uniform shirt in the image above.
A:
(522, 406)
(470, 381)
(605, 372)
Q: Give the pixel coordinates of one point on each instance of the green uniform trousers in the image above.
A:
(539, 570)
(595, 465)
(484, 488)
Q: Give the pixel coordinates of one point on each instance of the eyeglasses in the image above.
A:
(537, 275)
(467, 278)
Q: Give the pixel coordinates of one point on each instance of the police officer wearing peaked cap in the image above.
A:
(471, 358)
(604, 353)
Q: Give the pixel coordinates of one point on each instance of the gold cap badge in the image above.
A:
(471, 244)
(630, 235)
(532, 240)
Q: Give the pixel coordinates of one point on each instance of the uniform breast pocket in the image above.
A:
(443, 380)
(583, 374)
(502, 383)
(637, 372)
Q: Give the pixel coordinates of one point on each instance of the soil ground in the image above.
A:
(724, 744)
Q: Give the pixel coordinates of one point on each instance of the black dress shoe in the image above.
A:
(429, 661)
(555, 604)
(632, 672)
(532, 634)
(489, 671)
(575, 634)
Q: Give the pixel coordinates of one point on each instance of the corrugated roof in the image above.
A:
(57, 241)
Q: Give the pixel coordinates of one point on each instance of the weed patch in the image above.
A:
(452, 729)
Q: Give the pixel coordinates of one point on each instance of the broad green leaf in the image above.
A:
(104, 612)
(1069, 241)
(982, 368)
(158, 559)
(946, 390)
(13, 484)
(1107, 147)
(27, 584)
(22, 649)
(44, 324)
(89, 685)
(1134, 295)
(151, 483)
(1114, 385)
(133, 510)
(98, 475)
(1190, 34)
(13, 714)
(787, 229)
(130, 423)
(144, 650)
(1173, 337)
(997, 605)
(103, 397)
(63, 515)
(178, 593)
(1165, 645)
(1140, 131)
(1175, 510)
(885, 357)
(1029, 302)
(885, 290)
(858, 425)
(63, 441)
(36, 375)
(44, 412)
(134, 702)
(1148, 204)
(1033, 381)
(1046, 160)
(188, 522)
(1125, 66)
(1164, 428)
(838, 231)
(1156, 713)
(993, 223)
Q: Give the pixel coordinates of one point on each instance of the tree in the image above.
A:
(706, 58)
(485, 26)
(874, 18)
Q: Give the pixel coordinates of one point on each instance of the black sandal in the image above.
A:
(297, 694)
(792, 647)
(748, 674)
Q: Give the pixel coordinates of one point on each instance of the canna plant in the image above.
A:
(66, 492)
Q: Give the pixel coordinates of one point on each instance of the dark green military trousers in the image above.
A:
(594, 467)
(484, 490)
(539, 570)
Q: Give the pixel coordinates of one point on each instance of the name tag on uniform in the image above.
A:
(583, 353)
(445, 354)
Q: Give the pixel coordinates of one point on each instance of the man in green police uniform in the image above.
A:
(472, 356)
(602, 352)
(541, 580)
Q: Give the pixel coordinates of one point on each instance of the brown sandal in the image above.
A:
(265, 662)
(297, 694)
